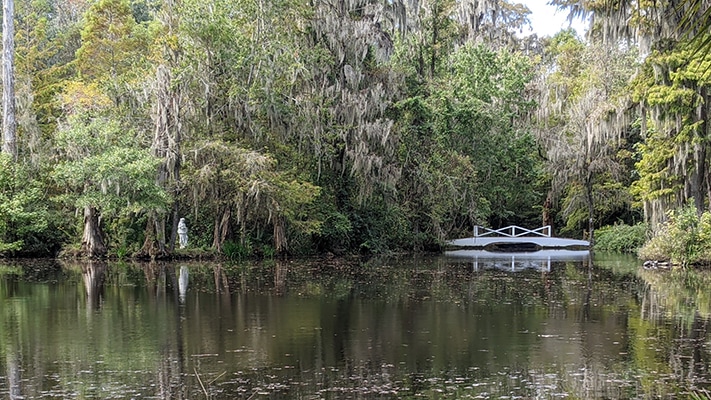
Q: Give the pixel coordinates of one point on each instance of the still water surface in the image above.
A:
(431, 328)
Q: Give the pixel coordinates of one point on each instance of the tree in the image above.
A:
(465, 159)
(23, 207)
(243, 73)
(107, 41)
(644, 22)
(103, 171)
(168, 126)
(46, 40)
(245, 186)
(582, 101)
(672, 92)
(9, 144)
(670, 95)
(368, 121)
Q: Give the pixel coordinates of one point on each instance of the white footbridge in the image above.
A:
(514, 248)
(513, 238)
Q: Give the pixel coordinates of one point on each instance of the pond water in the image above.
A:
(432, 328)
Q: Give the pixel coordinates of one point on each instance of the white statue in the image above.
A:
(183, 233)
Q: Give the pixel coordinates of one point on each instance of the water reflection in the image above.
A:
(156, 278)
(94, 273)
(431, 328)
(280, 273)
(13, 354)
(677, 301)
(221, 282)
(183, 283)
(517, 261)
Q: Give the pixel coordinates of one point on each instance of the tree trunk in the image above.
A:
(705, 192)
(548, 212)
(154, 242)
(92, 242)
(222, 225)
(242, 218)
(591, 208)
(166, 145)
(280, 244)
(9, 144)
(174, 226)
(435, 37)
(698, 192)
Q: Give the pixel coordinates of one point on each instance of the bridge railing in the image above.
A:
(512, 231)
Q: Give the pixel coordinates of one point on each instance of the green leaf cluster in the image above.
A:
(467, 160)
(621, 238)
(110, 38)
(103, 169)
(24, 211)
(364, 126)
(685, 239)
(672, 87)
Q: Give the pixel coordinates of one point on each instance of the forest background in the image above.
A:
(349, 126)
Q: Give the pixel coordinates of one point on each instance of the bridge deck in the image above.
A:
(543, 242)
(514, 237)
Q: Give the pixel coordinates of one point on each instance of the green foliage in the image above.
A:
(24, 215)
(373, 227)
(236, 251)
(656, 178)
(672, 86)
(620, 237)
(611, 203)
(658, 248)
(464, 161)
(380, 228)
(337, 228)
(103, 168)
(685, 239)
(441, 32)
(252, 185)
(126, 233)
(268, 251)
(43, 47)
(109, 41)
(297, 120)
(292, 199)
(585, 93)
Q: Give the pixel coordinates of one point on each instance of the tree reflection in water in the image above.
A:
(13, 354)
(94, 273)
(674, 320)
(428, 328)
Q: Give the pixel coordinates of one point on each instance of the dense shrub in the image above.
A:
(620, 238)
(658, 248)
(24, 219)
(685, 239)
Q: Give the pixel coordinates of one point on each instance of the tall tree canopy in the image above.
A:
(670, 92)
(584, 128)
(295, 126)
